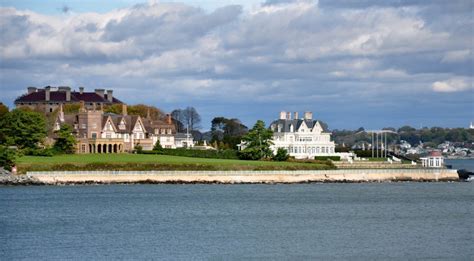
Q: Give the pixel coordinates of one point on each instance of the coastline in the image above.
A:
(231, 177)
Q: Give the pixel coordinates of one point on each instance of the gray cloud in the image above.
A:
(351, 62)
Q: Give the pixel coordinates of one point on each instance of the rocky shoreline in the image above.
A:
(19, 180)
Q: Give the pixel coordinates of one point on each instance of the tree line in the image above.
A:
(431, 136)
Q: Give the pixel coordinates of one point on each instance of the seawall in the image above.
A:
(230, 177)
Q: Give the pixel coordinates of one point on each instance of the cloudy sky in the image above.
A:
(353, 63)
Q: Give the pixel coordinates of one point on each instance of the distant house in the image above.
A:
(434, 160)
(303, 138)
(50, 98)
(184, 140)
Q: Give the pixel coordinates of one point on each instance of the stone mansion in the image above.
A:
(97, 131)
(303, 138)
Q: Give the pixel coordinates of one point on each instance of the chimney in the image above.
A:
(81, 90)
(47, 93)
(288, 115)
(100, 92)
(31, 90)
(296, 115)
(148, 113)
(282, 115)
(308, 115)
(82, 107)
(94, 106)
(110, 96)
(168, 118)
(124, 109)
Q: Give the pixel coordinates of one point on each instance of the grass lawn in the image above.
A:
(151, 162)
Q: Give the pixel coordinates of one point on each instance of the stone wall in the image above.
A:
(360, 175)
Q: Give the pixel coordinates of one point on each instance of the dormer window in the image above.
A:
(122, 125)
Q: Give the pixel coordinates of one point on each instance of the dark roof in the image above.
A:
(296, 124)
(60, 96)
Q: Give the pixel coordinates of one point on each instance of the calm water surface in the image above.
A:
(467, 164)
(233, 222)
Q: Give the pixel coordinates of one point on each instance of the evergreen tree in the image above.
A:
(258, 141)
(158, 146)
(65, 142)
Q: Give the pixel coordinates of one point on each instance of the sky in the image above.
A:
(359, 63)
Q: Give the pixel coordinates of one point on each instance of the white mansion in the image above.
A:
(303, 138)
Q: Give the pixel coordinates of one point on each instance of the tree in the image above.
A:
(65, 143)
(230, 131)
(158, 146)
(7, 158)
(22, 128)
(257, 142)
(138, 109)
(178, 118)
(281, 155)
(187, 118)
(3, 110)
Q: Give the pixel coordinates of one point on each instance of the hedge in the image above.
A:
(213, 154)
(333, 158)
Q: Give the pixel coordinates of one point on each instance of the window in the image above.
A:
(50, 109)
(94, 135)
(169, 131)
(94, 125)
(162, 131)
(108, 136)
(83, 126)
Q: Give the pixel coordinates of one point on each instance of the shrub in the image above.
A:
(333, 158)
(7, 158)
(281, 155)
(138, 149)
(47, 152)
(213, 154)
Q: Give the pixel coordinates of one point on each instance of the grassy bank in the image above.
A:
(152, 162)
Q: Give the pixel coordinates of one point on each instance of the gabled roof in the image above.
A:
(107, 118)
(296, 124)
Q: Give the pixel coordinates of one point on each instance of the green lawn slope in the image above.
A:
(152, 162)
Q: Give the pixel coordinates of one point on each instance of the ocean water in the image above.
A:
(401, 221)
(467, 164)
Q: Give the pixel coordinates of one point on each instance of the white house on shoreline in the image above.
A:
(303, 138)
